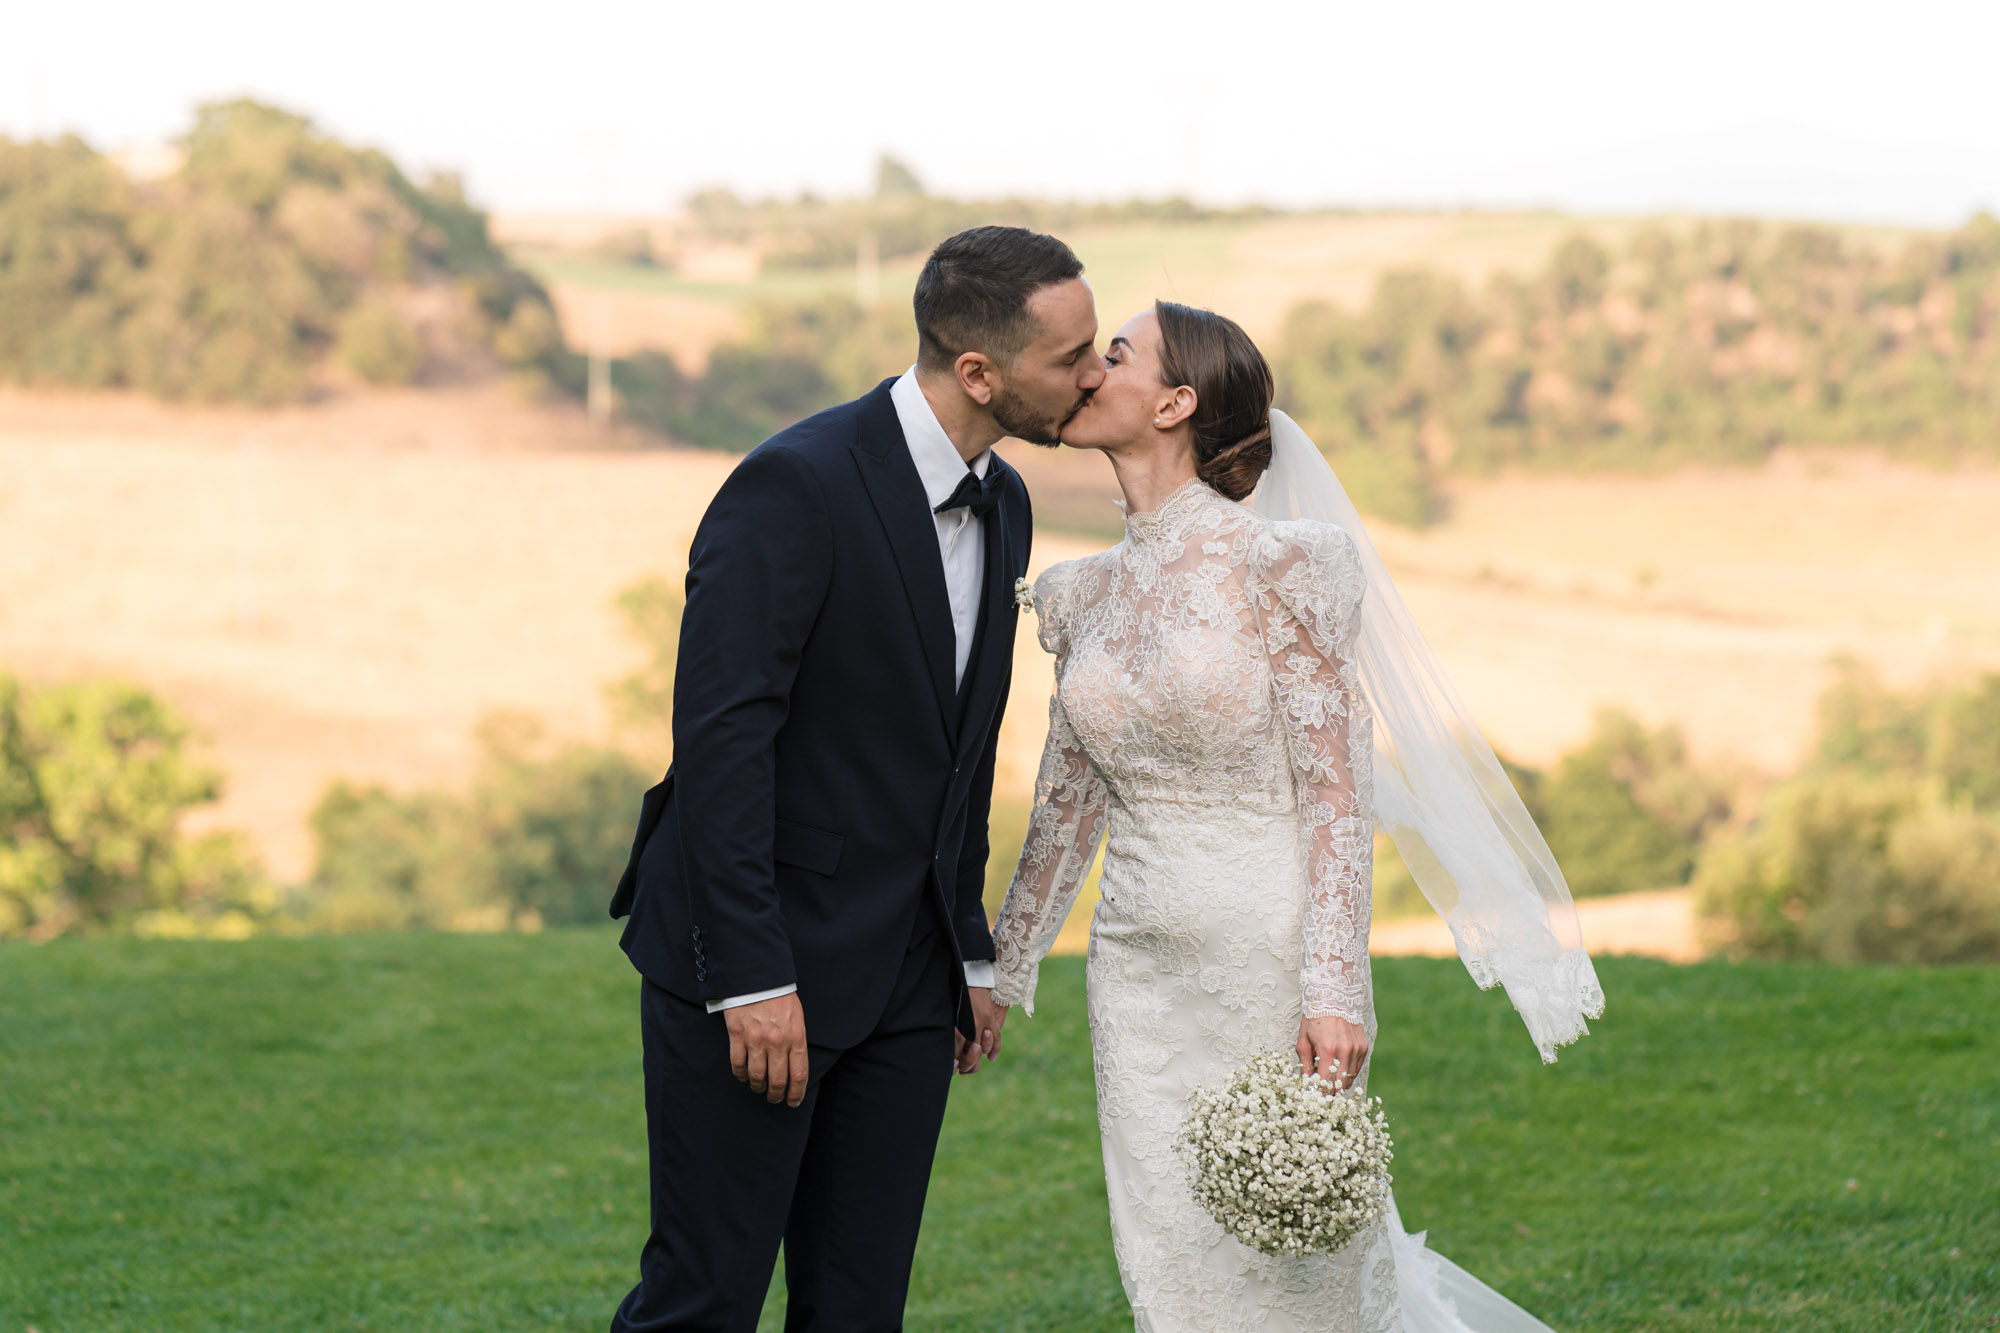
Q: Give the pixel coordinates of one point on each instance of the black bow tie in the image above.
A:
(980, 495)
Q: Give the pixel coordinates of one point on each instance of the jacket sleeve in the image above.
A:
(757, 577)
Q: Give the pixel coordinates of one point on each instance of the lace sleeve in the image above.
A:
(1312, 585)
(1071, 803)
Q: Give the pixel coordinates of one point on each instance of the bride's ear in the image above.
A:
(1175, 407)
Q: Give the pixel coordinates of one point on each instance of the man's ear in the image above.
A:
(976, 377)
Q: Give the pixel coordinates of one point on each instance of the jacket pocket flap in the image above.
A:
(807, 848)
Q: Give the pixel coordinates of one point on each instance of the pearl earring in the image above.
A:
(1156, 421)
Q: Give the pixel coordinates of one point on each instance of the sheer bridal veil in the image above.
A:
(1439, 791)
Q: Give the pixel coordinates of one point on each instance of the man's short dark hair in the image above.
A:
(973, 293)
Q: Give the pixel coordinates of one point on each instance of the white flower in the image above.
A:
(1024, 595)
(1285, 1166)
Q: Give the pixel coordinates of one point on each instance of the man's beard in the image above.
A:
(1013, 415)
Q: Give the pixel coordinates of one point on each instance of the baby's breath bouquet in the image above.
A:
(1285, 1165)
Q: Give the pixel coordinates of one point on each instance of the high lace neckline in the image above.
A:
(1143, 528)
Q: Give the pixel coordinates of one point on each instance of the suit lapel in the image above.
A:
(883, 457)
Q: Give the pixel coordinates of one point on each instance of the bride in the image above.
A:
(1241, 701)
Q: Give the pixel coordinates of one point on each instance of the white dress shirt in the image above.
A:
(961, 535)
(961, 546)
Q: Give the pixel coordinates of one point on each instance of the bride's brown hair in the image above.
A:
(1233, 389)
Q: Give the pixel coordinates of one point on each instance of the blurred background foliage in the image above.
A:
(275, 259)
(793, 360)
(538, 838)
(276, 254)
(95, 781)
(1884, 848)
(1716, 343)
(1880, 848)
(271, 255)
(903, 219)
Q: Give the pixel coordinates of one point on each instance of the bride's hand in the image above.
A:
(990, 1038)
(1323, 1041)
(987, 1019)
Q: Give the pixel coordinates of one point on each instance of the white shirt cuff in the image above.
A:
(717, 1006)
(978, 972)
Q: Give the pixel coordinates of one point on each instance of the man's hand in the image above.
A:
(986, 1020)
(767, 1047)
(1333, 1048)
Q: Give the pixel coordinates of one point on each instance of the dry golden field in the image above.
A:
(343, 590)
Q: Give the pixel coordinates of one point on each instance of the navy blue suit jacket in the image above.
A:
(828, 773)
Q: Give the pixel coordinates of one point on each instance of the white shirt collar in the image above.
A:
(936, 457)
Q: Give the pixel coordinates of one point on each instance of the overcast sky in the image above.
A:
(1865, 112)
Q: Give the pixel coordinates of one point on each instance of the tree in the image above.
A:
(94, 782)
(234, 278)
(1884, 848)
(538, 839)
(642, 704)
(894, 180)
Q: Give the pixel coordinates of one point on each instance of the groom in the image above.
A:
(805, 887)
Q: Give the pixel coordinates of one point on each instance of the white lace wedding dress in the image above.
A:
(1207, 713)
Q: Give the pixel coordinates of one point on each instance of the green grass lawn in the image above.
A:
(444, 1132)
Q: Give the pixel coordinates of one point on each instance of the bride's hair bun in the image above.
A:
(1235, 469)
(1233, 389)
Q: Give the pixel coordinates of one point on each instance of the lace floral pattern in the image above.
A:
(1205, 664)
(1208, 725)
(1207, 719)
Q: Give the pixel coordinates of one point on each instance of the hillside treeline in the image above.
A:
(793, 360)
(1717, 343)
(271, 252)
(1714, 344)
(901, 218)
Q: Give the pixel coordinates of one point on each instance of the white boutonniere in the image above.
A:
(1024, 595)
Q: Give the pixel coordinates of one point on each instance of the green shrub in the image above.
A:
(1962, 749)
(642, 704)
(557, 826)
(379, 345)
(1947, 734)
(95, 780)
(539, 839)
(396, 862)
(1887, 848)
(746, 395)
(1388, 481)
(540, 835)
(1846, 867)
(793, 360)
(1626, 810)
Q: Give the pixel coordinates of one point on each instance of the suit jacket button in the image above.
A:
(701, 974)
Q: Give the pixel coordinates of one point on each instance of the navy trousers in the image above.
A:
(840, 1179)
